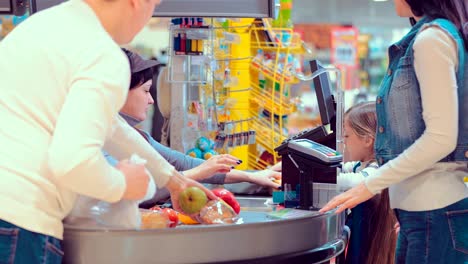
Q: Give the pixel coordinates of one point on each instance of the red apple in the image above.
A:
(228, 197)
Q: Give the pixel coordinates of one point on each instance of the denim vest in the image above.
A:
(399, 107)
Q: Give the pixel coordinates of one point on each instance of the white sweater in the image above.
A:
(62, 82)
(354, 173)
(416, 181)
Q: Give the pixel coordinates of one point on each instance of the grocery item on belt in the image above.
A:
(151, 219)
(228, 197)
(217, 212)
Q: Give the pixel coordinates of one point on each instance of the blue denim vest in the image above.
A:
(399, 107)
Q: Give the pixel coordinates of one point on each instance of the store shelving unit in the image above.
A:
(242, 76)
(204, 76)
(271, 79)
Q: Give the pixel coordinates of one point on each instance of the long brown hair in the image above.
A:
(362, 119)
(383, 244)
(454, 10)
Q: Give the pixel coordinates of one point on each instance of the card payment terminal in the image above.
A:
(307, 162)
(318, 151)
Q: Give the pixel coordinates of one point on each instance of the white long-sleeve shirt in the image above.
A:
(415, 179)
(354, 173)
(62, 82)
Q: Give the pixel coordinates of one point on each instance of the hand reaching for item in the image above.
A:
(265, 178)
(348, 199)
(276, 167)
(217, 164)
(178, 183)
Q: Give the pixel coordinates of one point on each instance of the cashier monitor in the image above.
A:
(325, 99)
(309, 146)
(323, 134)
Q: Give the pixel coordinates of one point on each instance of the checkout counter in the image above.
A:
(297, 236)
(307, 238)
(263, 235)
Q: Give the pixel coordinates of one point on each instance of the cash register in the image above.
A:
(310, 157)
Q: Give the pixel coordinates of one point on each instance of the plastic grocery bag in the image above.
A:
(217, 212)
(92, 213)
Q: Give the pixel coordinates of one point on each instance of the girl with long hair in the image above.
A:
(373, 238)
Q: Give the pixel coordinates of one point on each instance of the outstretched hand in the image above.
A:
(265, 178)
(217, 164)
(348, 199)
(276, 167)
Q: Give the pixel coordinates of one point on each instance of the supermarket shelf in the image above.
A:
(277, 75)
(266, 136)
(272, 103)
(256, 163)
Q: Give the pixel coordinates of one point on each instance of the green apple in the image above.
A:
(192, 200)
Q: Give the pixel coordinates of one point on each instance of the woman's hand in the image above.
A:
(217, 164)
(276, 167)
(348, 199)
(265, 178)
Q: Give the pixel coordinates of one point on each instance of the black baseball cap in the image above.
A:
(137, 63)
